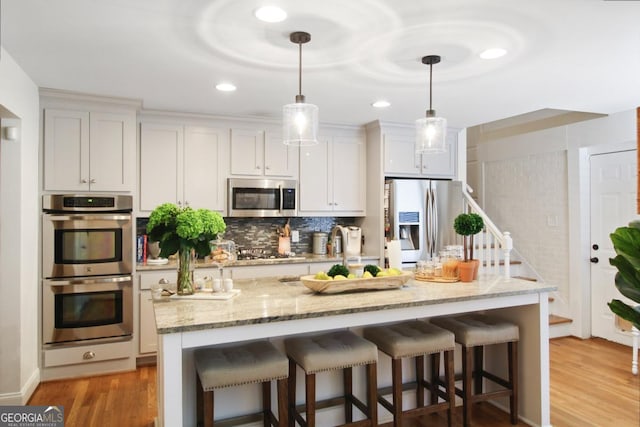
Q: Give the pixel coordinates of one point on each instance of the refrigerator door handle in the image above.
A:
(434, 221)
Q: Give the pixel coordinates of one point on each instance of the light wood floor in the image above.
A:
(591, 385)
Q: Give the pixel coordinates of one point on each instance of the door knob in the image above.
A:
(594, 260)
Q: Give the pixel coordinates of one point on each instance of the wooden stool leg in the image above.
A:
(310, 397)
(372, 393)
(347, 383)
(467, 369)
(199, 403)
(266, 404)
(478, 368)
(291, 395)
(396, 384)
(208, 408)
(513, 381)
(435, 377)
(449, 373)
(283, 402)
(419, 361)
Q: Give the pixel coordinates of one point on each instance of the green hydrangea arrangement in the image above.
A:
(184, 228)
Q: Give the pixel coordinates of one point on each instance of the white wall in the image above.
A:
(19, 224)
(534, 185)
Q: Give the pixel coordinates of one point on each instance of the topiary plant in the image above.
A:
(626, 242)
(466, 225)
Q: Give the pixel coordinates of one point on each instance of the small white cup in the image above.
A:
(228, 285)
(216, 285)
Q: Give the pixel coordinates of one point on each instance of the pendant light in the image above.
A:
(431, 131)
(300, 120)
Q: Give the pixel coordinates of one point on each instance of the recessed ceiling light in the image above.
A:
(381, 104)
(225, 87)
(270, 14)
(493, 53)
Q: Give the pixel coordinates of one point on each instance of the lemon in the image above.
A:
(367, 275)
(394, 272)
(351, 276)
(321, 275)
(382, 274)
(339, 277)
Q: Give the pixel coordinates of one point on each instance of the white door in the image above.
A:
(613, 201)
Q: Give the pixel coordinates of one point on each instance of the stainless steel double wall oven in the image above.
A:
(87, 265)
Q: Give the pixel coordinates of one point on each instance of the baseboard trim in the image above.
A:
(23, 396)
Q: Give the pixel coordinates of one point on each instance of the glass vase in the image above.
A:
(185, 272)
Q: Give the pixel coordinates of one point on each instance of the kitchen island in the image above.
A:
(270, 308)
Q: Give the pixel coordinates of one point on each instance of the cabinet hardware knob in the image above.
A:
(88, 355)
(267, 167)
(595, 247)
(92, 181)
(83, 181)
(179, 203)
(594, 260)
(257, 167)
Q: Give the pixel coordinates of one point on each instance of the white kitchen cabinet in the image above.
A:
(400, 158)
(262, 153)
(148, 339)
(89, 150)
(332, 177)
(182, 165)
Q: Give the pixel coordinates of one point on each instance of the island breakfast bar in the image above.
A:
(271, 308)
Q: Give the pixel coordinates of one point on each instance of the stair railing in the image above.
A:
(491, 246)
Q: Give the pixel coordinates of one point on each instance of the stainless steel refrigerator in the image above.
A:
(420, 213)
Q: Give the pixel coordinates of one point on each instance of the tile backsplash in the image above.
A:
(262, 232)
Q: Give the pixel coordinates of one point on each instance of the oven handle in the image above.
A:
(91, 217)
(87, 280)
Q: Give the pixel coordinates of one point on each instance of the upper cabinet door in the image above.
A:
(89, 151)
(204, 173)
(161, 160)
(349, 189)
(279, 159)
(247, 147)
(66, 150)
(112, 142)
(442, 165)
(399, 155)
(315, 193)
(400, 158)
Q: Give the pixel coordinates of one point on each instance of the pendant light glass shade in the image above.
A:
(300, 124)
(431, 131)
(431, 135)
(300, 120)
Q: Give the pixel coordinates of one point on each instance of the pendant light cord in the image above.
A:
(300, 69)
(430, 88)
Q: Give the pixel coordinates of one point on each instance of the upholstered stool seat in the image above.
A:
(235, 365)
(415, 339)
(473, 332)
(330, 351)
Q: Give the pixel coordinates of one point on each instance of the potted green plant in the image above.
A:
(467, 225)
(626, 242)
(184, 230)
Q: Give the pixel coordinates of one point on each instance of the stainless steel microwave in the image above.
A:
(262, 197)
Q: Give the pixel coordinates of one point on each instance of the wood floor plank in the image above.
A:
(591, 385)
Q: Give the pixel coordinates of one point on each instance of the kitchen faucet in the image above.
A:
(333, 243)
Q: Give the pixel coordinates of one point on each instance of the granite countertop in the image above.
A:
(298, 259)
(270, 300)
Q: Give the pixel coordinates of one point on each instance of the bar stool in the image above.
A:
(415, 339)
(235, 365)
(473, 332)
(325, 352)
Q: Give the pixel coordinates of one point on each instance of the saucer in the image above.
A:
(157, 261)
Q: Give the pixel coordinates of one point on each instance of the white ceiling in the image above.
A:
(578, 55)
